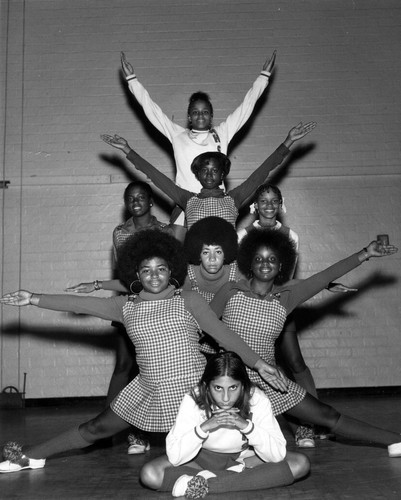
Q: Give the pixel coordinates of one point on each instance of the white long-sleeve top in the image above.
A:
(187, 144)
(263, 434)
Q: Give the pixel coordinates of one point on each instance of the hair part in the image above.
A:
(278, 242)
(148, 244)
(228, 364)
(211, 231)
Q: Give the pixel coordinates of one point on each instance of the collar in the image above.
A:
(165, 294)
(211, 193)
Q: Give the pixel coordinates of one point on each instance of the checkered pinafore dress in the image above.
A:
(259, 323)
(208, 296)
(166, 337)
(199, 208)
(207, 344)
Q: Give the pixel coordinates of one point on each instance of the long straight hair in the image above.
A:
(224, 364)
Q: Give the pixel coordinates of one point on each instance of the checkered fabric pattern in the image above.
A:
(166, 338)
(259, 323)
(199, 208)
(121, 235)
(207, 344)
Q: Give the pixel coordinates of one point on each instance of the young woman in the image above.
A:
(225, 438)
(163, 323)
(257, 308)
(211, 169)
(200, 135)
(211, 249)
(138, 202)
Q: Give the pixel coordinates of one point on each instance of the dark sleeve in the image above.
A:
(178, 195)
(105, 308)
(221, 298)
(209, 322)
(306, 289)
(243, 192)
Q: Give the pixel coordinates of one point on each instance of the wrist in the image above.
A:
(364, 255)
(97, 285)
(34, 299)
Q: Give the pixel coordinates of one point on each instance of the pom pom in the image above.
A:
(12, 451)
(197, 488)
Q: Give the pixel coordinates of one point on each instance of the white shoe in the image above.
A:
(181, 485)
(394, 450)
(137, 444)
(23, 463)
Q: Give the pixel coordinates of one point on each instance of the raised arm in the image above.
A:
(309, 287)
(178, 195)
(237, 119)
(152, 110)
(242, 193)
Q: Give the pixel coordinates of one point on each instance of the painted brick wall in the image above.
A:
(62, 88)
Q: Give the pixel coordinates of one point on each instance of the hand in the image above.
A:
(81, 288)
(269, 63)
(116, 141)
(19, 298)
(301, 130)
(126, 66)
(272, 375)
(377, 249)
(340, 288)
(225, 418)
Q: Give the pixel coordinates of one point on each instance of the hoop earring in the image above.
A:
(175, 283)
(134, 288)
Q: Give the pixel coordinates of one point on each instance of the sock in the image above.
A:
(305, 380)
(171, 474)
(69, 440)
(264, 476)
(355, 429)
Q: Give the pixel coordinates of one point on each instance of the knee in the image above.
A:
(150, 476)
(299, 465)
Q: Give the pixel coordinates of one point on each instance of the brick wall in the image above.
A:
(62, 88)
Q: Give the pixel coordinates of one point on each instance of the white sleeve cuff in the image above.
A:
(200, 433)
(265, 73)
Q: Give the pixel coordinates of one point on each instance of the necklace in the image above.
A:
(260, 295)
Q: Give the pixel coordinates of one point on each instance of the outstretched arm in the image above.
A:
(243, 192)
(127, 68)
(91, 286)
(309, 287)
(269, 63)
(105, 308)
(178, 195)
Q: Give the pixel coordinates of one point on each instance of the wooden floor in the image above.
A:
(339, 470)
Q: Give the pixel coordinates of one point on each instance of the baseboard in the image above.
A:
(332, 392)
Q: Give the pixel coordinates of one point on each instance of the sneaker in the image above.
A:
(16, 461)
(305, 437)
(138, 444)
(394, 450)
(197, 488)
(181, 485)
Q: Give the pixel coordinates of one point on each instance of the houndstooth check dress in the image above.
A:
(199, 208)
(166, 339)
(259, 323)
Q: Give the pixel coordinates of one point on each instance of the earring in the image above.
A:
(135, 286)
(175, 283)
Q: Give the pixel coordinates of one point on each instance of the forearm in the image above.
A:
(242, 193)
(109, 308)
(178, 195)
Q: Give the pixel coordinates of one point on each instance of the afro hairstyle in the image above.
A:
(148, 244)
(277, 241)
(211, 231)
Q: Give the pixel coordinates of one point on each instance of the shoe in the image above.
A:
(394, 450)
(181, 485)
(16, 461)
(138, 444)
(305, 437)
(197, 488)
